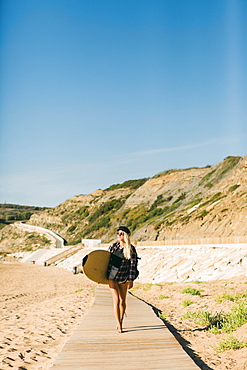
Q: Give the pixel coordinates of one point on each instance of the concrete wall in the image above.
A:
(185, 263)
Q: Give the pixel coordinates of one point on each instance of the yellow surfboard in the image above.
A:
(95, 264)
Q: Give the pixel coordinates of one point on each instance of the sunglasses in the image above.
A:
(120, 234)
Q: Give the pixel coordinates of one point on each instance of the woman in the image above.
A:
(122, 271)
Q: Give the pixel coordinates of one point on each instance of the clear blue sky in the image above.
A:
(98, 92)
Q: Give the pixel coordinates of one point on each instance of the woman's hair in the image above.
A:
(127, 246)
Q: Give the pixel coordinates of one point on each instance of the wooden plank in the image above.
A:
(145, 343)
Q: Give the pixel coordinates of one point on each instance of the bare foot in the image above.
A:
(119, 329)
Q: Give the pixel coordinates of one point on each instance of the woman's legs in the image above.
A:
(122, 304)
(119, 292)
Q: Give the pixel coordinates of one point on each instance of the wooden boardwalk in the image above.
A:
(145, 343)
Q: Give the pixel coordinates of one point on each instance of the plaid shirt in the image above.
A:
(128, 268)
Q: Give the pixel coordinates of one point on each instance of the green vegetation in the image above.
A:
(234, 187)
(192, 291)
(162, 296)
(159, 201)
(228, 164)
(132, 184)
(205, 318)
(111, 205)
(230, 297)
(99, 214)
(220, 322)
(104, 221)
(78, 290)
(135, 217)
(194, 202)
(83, 211)
(139, 286)
(10, 213)
(74, 242)
(140, 215)
(180, 198)
(162, 316)
(213, 199)
(71, 228)
(187, 302)
(101, 217)
(206, 177)
(219, 172)
(202, 214)
(147, 287)
(230, 342)
(167, 172)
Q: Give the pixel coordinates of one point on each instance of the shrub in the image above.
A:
(106, 207)
(133, 184)
(83, 211)
(74, 242)
(234, 187)
(187, 302)
(192, 291)
(221, 322)
(71, 228)
(162, 296)
(194, 202)
(229, 297)
(230, 342)
(228, 164)
(162, 315)
(205, 318)
(181, 197)
(206, 177)
(236, 318)
(202, 214)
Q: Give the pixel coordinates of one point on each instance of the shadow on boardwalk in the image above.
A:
(182, 341)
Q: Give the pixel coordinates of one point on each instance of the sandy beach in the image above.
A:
(40, 307)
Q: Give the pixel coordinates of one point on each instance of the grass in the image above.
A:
(230, 297)
(79, 290)
(136, 287)
(162, 315)
(162, 296)
(198, 282)
(147, 287)
(187, 303)
(204, 318)
(234, 187)
(192, 291)
(220, 322)
(229, 342)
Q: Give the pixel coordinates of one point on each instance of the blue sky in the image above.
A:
(98, 92)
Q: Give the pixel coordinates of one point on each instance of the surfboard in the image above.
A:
(95, 264)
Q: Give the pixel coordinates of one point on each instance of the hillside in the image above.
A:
(15, 212)
(175, 204)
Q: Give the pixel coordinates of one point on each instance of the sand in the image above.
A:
(40, 307)
(198, 341)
